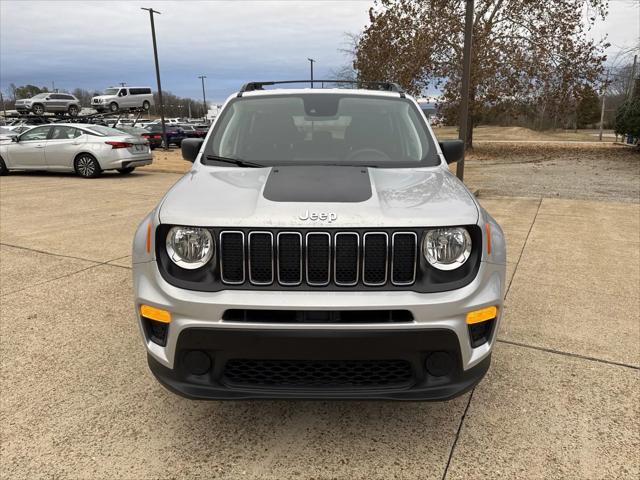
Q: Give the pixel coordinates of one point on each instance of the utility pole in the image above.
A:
(604, 96)
(311, 62)
(466, 80)
(123, 84)
(4, 110)
(189, 109)
(155, 56)
(204, 96)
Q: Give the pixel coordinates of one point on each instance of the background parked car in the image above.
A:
(6, 134)
(202, 130)
(175, 135)
(84, 148)
(154, 139)
(194, 131)
(49, 102)
(189, 131)
(123, 98)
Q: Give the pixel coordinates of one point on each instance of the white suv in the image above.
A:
(123, 98)
(319, 248)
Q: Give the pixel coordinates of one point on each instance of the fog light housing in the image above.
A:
(197, 362)
(439, 364)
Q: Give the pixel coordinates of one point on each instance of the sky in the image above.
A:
(96, 44)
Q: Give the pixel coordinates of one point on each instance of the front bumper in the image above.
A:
(391, 365)
(439, 324)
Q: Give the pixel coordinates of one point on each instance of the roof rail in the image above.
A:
(365, 84)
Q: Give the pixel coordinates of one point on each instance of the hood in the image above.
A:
(327, 196)
(103, 97)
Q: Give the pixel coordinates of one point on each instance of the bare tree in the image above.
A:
(525, 53)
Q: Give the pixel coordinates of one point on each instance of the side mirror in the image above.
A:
(190, 148)
(15, 139)
(453, 150)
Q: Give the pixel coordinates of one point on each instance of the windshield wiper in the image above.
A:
(236, 161)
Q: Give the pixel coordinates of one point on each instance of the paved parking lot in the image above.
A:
(561, 399)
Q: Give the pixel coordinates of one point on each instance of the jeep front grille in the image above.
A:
(346, 259)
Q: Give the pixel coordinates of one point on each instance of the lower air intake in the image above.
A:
(318, 374)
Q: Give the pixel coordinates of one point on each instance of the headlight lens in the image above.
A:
(190, 247)
(447, 248)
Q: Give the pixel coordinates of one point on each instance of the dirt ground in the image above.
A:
(580, 171)
(585, 171)
(484, 133)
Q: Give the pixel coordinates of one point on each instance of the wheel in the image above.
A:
(3, 168)
(113, 106)
(37, 109)
(73, 110)
(87, 166)
(146, 105)
(126, 171)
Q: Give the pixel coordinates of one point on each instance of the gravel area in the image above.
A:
(567, 170)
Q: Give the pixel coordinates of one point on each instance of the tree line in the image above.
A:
(174, 106)
(533, 63)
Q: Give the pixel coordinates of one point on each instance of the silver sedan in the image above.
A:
(84, 148)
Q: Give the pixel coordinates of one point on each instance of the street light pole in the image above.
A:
(311, 62)
(466, 80)
(204, 96)
(155, 56)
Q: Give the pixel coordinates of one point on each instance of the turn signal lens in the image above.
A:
(482, 315)
(157, 314)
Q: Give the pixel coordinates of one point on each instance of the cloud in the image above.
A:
(97, 44)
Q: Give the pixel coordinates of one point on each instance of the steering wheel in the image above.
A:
(371, 154)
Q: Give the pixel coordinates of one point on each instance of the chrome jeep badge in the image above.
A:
(321, 216)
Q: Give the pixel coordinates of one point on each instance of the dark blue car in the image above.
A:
(175, 135)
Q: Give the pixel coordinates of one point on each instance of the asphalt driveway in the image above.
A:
(561, 399)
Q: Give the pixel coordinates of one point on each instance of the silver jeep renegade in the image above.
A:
(319, 248)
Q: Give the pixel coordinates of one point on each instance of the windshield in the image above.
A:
(111, 91)
(105, 131)
(325, 128)
(40, 95)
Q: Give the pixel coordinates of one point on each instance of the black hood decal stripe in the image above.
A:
(317, 183)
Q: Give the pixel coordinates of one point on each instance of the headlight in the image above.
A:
(447, 248)
(190, 247)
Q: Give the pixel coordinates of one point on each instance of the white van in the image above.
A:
(123, 98)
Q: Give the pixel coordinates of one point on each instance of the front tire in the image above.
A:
(73, 110)
(113, 106)
(38, 109)
(86, 166)
(126, 171)
(146, 106)
(3, 168)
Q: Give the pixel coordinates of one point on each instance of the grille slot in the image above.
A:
(232, 257)
(289, 258)
(403, 261)
(261, 258)
(374, 265)
(318, 258)
(357, 374)
(347, 250)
